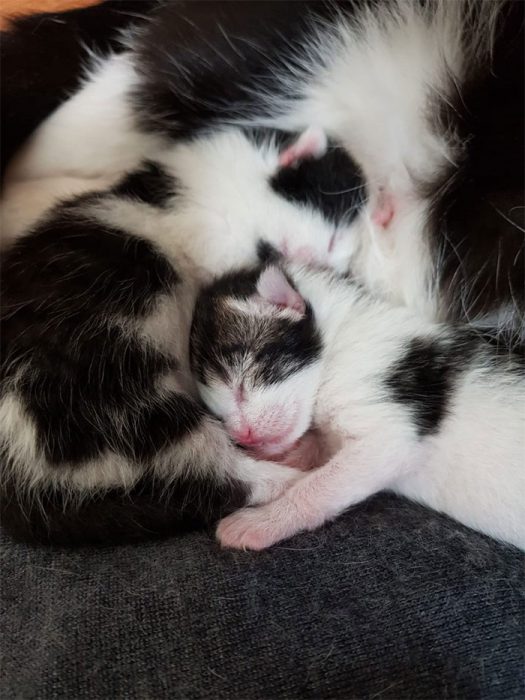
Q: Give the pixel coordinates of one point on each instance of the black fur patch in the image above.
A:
(67, 290)
(82, 401)
(267, 253)
(333, 184)
(291, 346)
(206, 63)
(478, 217)
(270, 350)
(423, 378)
(149, 510)
(150, 184)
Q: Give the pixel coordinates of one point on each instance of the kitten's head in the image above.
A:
(256, 351)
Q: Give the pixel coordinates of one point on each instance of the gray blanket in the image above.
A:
(389, 601)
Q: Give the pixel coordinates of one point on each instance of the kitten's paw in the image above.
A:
(330, 249)
(250, 528)
(341, 249)
(268, 480)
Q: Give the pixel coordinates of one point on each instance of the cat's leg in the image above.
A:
(356, 472)
(93, 133)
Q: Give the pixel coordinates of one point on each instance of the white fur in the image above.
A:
(472, 468)
(277, 414)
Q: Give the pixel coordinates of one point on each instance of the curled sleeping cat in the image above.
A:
(432, 412)
(102, 436)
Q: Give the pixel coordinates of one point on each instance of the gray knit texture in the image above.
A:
(389, 601)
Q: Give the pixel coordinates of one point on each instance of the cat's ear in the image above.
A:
(312, 143)
(274, 288)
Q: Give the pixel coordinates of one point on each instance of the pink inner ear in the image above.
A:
(274, 288)
(312, 143)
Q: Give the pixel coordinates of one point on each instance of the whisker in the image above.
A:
(504, 216)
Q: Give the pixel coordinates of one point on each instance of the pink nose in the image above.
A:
(245, 437)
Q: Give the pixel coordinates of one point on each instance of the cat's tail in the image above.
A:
(186, 485)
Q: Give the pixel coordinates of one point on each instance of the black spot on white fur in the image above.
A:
(267, 253)
(150, 184)
(423, 378)
(332, 184)
(68, 290)
(268, 349)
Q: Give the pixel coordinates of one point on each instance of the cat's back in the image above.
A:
(474, 468)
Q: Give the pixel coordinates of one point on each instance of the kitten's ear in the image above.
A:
(312, 143)
(275, 289)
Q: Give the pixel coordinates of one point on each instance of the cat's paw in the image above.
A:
(329, 250)
(249, 528)
(341, 248)
(254, 528)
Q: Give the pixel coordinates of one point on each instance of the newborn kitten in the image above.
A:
(431, 412)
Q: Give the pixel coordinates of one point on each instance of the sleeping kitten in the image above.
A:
(101, 434)
(431, 412)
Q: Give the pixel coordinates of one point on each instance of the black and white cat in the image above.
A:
(432, 412)
(102, 433)
(101, 436)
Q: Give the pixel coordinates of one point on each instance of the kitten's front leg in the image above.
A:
(351, 476)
